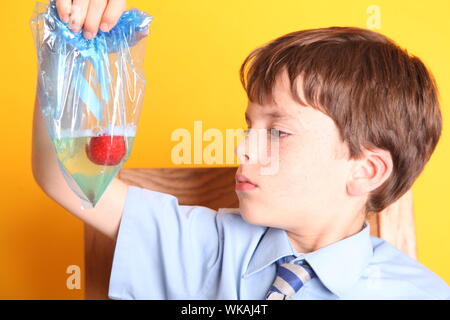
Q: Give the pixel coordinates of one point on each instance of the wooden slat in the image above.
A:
(214, 188)
(396, 225)
(98, 256)
(373, 221)
(210, 187)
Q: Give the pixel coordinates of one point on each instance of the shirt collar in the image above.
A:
(338, 265)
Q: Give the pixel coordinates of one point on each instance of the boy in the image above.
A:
(355, 119)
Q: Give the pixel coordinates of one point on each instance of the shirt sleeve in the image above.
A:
(163, 250)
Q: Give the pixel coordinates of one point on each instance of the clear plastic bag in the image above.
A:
(90, 93)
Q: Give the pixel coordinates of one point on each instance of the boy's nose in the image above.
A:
(240, 152)
(246, 149)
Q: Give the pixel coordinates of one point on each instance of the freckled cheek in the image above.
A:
(290, 156)
(299, 162)
(282, 149)
(290, 163)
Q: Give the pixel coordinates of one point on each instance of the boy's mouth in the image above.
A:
(244, 184)
(242, 178)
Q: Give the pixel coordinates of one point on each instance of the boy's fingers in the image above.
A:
(113, 11)
(63, 7)
(78, 14)
(94, 15)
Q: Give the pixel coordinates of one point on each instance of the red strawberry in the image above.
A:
(106, 150)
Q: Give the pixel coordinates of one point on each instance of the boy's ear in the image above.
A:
(369, 172)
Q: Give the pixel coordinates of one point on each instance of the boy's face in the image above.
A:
(307, 184)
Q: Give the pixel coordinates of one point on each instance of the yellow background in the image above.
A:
(193, 56)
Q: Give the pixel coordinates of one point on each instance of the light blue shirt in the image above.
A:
(169, 251)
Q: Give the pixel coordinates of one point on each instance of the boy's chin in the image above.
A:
(253, 215)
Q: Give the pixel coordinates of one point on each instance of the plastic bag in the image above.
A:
(90, 93)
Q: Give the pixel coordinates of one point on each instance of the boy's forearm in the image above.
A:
(44, 163)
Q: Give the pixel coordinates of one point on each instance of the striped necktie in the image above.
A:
(290, 278)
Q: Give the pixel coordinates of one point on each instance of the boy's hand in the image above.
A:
(90, 15)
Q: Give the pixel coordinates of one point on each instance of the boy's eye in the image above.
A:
(274, 133)
(278, 133)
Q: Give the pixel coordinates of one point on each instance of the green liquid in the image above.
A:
(93, 179)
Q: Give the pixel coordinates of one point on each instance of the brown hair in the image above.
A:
(378, 95)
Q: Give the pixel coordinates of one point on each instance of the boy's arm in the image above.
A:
(105, 217)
